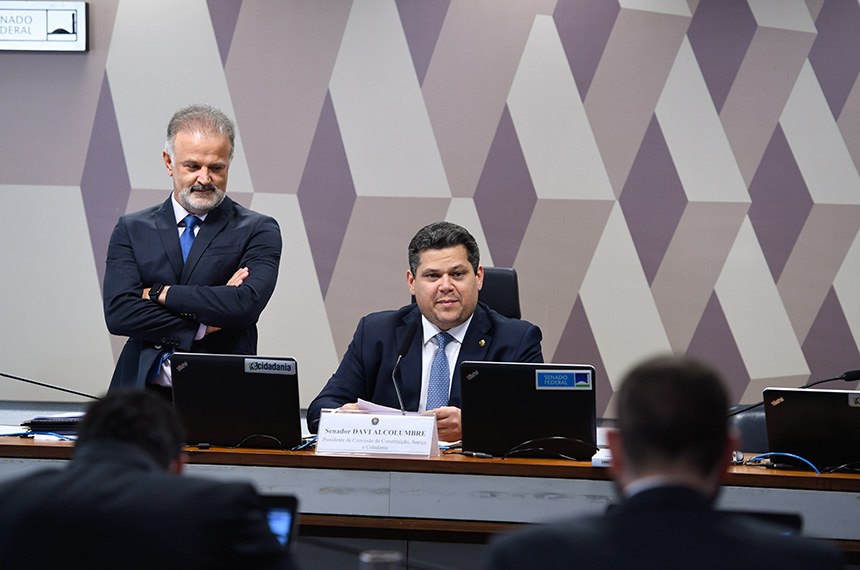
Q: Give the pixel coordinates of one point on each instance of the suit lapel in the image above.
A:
(410, 365)
(476, 343)
(478, 338)
(215, 222)
(165, 223)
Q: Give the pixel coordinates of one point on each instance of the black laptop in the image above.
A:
(821, 426)
(512, 409)
(233, 400)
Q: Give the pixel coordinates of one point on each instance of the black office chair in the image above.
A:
(752, 427)
(501, 291)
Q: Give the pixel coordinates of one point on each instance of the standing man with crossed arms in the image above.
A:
(194, 273)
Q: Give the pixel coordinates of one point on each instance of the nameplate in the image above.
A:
(357, 432)
(603, 458)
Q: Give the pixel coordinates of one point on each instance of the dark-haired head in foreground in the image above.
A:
(672, 424)
(138, 418)
(121, 503)
(669, 454)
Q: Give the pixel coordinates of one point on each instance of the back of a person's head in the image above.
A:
(134, 417)
(672, 412)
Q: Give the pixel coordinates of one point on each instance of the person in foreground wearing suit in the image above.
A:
(194, 273)
(669, 454)
(445, 276)
(122, 503)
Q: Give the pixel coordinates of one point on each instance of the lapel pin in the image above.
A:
(482, 342)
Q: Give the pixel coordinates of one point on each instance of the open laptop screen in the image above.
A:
(821, 426)
(528, 409)
(234, 400)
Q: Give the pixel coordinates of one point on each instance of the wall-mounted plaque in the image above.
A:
(43, 26)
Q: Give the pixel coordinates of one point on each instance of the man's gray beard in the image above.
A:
(185, 201)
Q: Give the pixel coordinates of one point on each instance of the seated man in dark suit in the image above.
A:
(120, 503)
(669, 454)
(445, 276)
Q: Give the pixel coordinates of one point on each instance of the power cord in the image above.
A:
(758, 459)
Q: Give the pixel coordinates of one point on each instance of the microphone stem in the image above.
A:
(396, 386)
(748, 408)
(823, 381)
(804, 387)
(48, 386)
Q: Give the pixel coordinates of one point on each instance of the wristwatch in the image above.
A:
(155, 291)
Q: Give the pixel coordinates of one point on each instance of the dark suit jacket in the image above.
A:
(664, 528)
(144, 249)
(365, 371)
(113, 507)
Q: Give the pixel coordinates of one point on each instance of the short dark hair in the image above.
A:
(442, 235)
(136, 417)
(200, 118)
(673, 410)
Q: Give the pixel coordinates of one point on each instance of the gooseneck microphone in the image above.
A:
(401, 352)
(46, 385)
(849, 376)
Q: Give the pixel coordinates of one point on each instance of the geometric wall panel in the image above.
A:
(666, 176)
(757, 316)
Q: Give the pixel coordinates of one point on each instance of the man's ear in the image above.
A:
(167, 162)
(616, 465)
(410, 282)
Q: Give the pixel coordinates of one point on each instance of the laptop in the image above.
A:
(282, 515)
(512, 409)
(234, 400)
(821, 426)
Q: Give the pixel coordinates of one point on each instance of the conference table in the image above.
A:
(467, 499)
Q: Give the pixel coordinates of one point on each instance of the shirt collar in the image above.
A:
(644, 484)
(458, 332)
(654, 481)
(179, 212)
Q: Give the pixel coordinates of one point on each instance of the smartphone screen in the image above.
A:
(281, 522)
(282, 514)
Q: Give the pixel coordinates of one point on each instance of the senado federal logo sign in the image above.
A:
(43, 26)
(562, 380)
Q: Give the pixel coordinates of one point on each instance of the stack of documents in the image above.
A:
(60, 424)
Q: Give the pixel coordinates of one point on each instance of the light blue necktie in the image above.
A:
(440, 375)
(187, 237)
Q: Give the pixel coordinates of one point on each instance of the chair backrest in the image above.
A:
(501, 291)
(752, 428)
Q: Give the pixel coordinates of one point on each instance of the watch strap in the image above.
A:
(155, 291)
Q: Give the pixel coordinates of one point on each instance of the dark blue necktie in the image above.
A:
(440, 375)
(187, 237)
(186, 240)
